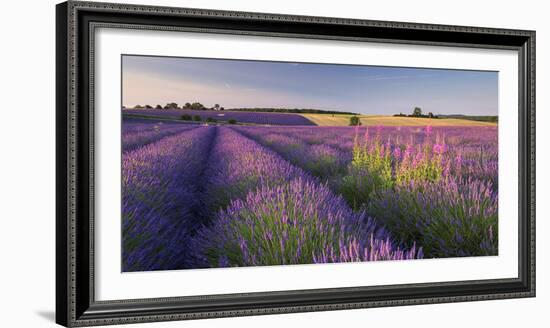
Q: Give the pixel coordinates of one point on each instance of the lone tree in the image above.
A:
(197, 105)
(417, 111)
(158, 107)
(431, 115)
(354, 120)
(171, 105)
(217, 107)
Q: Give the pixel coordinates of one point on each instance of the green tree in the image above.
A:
(197, 105)
(232, 121)
(354, 120)
(197, 118)
(158, 107)
(171, 105)
(417, 111)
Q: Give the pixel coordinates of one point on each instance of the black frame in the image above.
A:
(76, 22)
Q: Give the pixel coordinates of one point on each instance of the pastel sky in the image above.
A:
(360, 89)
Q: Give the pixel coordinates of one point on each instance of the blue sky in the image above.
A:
(360, 89)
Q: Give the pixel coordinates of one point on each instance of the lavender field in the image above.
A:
(202, 196)
(242, 117)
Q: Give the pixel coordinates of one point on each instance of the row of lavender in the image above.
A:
(289, 119)
(245, 206)
(160, 199)
(219, 196)
(474, 148)
(431, 187)
(137, 133)
(276, 213)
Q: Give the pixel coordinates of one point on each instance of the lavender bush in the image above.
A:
(239, 165)
(452, 217)
(138, 138)
(159, 199)
(295, 223)
(323, 161)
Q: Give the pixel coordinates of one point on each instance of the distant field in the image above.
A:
(241, 117)
(343, 120)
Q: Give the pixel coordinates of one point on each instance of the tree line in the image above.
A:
(480, 118)
(199, 106)
(291, 110)
(173, 105)
(417, 112)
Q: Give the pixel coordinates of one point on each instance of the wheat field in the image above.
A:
(370, 120)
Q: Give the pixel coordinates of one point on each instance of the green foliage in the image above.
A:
(375, 168)
(423, 164)
(232, 121)
(370, 171)
(417, 111)
(354, 120)
(171, 105)
(473, 118)
(291, 110)
(197, 105)
(197, 118)
(186, 117)
(211, 120)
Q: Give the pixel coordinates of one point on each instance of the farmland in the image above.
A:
(293, 119)
(242, 117)
(374, 120)
(197, 196)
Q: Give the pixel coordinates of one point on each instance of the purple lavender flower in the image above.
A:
(159, 199)
(349, 237)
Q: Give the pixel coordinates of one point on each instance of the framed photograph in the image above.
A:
(214, 163)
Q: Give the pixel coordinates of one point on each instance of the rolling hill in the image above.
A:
(370, 120)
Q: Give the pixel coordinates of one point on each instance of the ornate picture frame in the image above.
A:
(77, 23)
